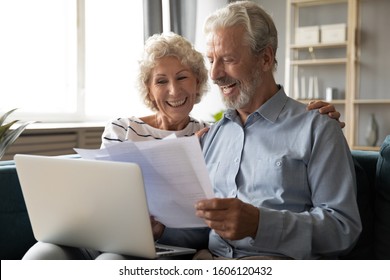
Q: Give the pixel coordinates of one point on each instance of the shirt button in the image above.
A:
(236, 160)
(278, 163)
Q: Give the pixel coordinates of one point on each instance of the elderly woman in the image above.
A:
(172, 79)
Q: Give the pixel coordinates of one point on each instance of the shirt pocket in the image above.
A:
(277, 180)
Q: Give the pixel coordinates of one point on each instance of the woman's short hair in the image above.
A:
(260, 28)
(170, 44)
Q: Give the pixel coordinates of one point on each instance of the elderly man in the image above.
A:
(283, 176)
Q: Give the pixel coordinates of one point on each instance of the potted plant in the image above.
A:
(8, 136)
(217, 116)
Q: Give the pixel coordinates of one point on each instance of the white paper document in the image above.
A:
(175, 176)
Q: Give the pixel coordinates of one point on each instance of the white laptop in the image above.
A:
(92, 204)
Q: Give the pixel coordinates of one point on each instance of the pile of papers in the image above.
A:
(175, 175)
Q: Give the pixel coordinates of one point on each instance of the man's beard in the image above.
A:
(247, 91)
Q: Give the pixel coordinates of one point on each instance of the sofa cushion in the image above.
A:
(382, 202)
(15, 234)
(365, 163)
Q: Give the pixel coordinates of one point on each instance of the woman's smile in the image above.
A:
(177, 103)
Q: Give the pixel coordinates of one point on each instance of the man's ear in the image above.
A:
(197, 85)
(268, 59)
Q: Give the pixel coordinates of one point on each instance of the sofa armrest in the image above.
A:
(382, 203)
(365, 168)
(16, 235)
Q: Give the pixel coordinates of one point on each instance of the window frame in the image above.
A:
(79, 114)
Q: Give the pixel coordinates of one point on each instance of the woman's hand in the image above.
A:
(326, 108)
(157, 228)
(202, 132)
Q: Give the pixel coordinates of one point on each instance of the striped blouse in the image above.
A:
(134, 129)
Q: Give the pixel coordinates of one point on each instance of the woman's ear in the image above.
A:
(150, 96)
(152, 100)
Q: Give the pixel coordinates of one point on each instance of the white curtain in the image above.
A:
(153, 19)
(183, 18)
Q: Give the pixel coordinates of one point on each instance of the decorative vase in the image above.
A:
(372, 131)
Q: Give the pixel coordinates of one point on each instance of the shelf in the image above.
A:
(319, 61)
(315, 2)
(334, 101)
(320, 46)
(366, 148)
(371, 101)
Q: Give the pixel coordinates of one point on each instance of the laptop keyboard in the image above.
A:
(159, 249)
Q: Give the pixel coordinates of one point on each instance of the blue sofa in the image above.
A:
(373, 183)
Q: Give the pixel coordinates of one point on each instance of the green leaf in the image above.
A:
(218, 116)
(5, 128)
(3, 117)
(10, 136)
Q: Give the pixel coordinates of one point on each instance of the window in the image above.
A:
(70, 60)
(114, 41)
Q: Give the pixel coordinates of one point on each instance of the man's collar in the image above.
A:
(270, 110)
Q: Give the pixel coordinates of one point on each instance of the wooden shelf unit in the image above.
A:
(340, 54)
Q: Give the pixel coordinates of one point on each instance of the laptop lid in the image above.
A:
(87, 203)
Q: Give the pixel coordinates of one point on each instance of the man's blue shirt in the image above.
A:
(296, 167)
